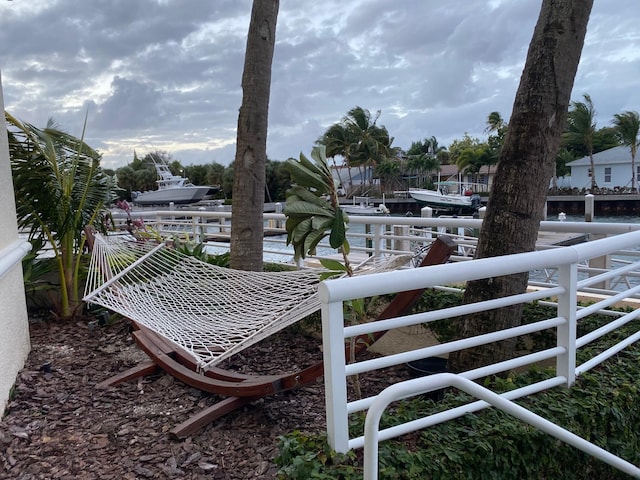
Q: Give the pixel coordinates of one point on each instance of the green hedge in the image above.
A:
(601, 407)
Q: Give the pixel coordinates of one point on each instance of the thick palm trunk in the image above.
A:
(526, 165)
(251, 146)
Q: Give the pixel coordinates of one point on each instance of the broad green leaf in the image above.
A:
(306, 208)
(318, 153)
(338, 235)
(331, 264)
(308, 196)
(303, 176)
(311, 241)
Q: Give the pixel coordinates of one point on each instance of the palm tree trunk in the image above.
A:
(527, 162)
(251, 146)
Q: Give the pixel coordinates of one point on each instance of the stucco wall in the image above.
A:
(14, 325)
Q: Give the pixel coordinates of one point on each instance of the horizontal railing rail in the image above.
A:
(565, 293)
(388, 235)
(433, 382)
(12, 255)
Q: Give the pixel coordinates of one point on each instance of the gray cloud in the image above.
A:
(166, 74)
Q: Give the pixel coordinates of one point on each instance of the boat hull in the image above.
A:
(439, 201)
(177, 195)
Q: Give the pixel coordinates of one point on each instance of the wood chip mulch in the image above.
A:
(59, 426)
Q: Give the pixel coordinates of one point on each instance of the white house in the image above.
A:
(14, 324)
(612, 169)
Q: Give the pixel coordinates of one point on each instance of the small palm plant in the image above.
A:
(60, 188)
(313, 211)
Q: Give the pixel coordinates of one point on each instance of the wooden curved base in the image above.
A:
(242, 389)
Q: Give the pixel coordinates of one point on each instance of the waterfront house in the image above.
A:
(612, 169)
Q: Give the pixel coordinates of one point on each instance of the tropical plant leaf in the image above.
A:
(331, 264)
(302, 175)
(306, 208)
(338, 235)
(300, 193)
(312, 240)
(318, 153)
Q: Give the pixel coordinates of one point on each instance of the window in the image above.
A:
(607, 174)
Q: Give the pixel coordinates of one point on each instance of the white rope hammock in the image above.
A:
(212, 312)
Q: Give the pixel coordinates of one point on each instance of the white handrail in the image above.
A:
(441, 380)
(13, 254)
(565, 260)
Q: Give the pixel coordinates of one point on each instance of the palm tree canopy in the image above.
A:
(627, 126)
(358, 138)
(581, 125)
(58, 183)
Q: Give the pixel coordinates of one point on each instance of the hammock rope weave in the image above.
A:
(210, 311)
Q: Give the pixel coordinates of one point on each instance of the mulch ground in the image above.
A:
(59, 426)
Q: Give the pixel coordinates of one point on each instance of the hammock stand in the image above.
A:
(241, 389)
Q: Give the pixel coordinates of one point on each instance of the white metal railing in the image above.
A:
(12, 254)
(566, 291)
(427, 384)
(388, 235)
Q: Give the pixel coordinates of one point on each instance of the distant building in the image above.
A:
(360, 180)
(612, 169)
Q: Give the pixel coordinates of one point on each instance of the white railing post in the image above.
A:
(377, 239)
(335, 375)
(567, 308)
(589, 207)
(199, 229)
(401, 244)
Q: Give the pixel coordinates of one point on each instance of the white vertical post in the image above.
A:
(377, 239)
(335, 381)
(427, 212)
(278, 209)
(401, 244)
(567, 308)
(589, 207)
(199, 228)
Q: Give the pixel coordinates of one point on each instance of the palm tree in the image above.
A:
(495, 123)
(370, 143)
(470, 160)
(249, 180)
(359, 140)
(337, 140)
(387, 171)
(497, 130)
(627, 126)
(59, 188)
(423, 165)
(581, 128)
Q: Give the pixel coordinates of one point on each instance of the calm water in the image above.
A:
(602, 219)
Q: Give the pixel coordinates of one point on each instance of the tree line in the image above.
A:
(358, 143)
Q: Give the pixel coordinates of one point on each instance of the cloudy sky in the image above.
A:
(165, 74)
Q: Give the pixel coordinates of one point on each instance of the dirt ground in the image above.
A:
(59, 426)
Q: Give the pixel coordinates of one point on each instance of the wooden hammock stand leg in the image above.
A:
(241, 389)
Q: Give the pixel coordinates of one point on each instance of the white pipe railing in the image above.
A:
(369, 235)
(566, 259)
(12, 254)
(433, 382)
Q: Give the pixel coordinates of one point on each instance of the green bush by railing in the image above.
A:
(601, 407)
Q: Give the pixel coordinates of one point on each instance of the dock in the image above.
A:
(559, 239)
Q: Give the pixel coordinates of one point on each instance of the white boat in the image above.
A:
(361, 206)
(442, 199)
(171, 189)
